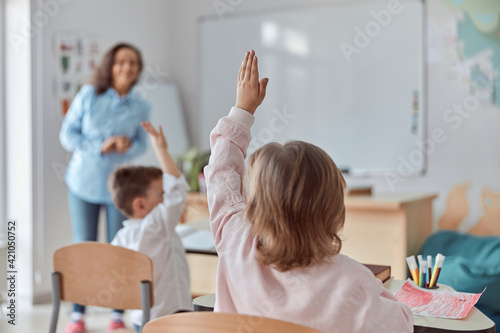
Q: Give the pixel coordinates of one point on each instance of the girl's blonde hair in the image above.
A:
(295, 205)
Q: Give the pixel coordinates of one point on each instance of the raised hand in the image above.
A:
(250, 92)
(160, 145)
(157, 137)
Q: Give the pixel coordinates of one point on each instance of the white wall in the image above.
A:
(2, 118)
(470, 152)
(19, 145)
(145, 24)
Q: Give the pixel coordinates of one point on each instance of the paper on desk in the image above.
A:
(183, 230)
(193, 239)
(440, 304)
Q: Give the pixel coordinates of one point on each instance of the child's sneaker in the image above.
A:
(77, 326)
(115, 324)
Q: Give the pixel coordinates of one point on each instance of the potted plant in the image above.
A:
(192, 164)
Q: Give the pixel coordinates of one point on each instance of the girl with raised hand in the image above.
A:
(277, 239)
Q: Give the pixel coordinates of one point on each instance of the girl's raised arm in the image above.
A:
(229, 142)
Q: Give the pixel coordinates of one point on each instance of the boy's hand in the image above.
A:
(157, 137)
(160, 145)
(250, 92)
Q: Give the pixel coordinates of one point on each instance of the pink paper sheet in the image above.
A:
(441, 304)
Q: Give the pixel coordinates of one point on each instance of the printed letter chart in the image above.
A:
(441, 304)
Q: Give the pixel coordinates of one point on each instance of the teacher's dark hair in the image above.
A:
(103, 75)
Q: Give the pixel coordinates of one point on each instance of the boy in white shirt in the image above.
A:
(153, 199)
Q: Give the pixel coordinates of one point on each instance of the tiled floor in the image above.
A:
(36, 319)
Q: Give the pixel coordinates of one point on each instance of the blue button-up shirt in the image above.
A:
(90, 120)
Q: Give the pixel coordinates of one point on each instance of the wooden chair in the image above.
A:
(103, 275)
(209, 322)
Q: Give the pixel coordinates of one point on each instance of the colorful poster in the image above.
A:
(76, 55)
(440, 304)
(470, 43)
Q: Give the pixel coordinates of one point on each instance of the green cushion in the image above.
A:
(472, 263)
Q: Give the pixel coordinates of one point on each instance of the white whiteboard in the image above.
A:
(361, 113)
(166, 110)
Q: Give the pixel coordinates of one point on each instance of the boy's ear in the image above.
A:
(138, 205)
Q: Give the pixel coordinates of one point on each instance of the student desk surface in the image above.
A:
(475, 321)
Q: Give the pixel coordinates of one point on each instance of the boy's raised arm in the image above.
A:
(175, 187)
(160, 146)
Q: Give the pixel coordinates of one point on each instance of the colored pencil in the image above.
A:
(424, 269)
(421, 276)
(412, 265)
(434, 273)
(429, 267)
(439, 268)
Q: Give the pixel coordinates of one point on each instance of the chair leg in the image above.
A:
(56, 300)
(146, 302)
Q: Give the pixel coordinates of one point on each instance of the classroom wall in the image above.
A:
(145, 24)
(18, 157)
(469, 152)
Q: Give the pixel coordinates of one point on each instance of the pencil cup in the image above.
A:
(434, 287)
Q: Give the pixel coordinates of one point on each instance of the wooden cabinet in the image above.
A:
(384, 229)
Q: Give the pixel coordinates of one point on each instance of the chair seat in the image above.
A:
(209, 322)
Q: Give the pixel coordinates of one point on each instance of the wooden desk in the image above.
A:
(202, 270)
(475, 321)
(202, 265)
(386, 228)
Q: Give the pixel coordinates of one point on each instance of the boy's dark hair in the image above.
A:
(130, 182)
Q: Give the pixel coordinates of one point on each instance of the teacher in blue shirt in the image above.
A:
(103, 130)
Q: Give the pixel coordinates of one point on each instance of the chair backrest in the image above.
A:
(102, 275)
(210, 322)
